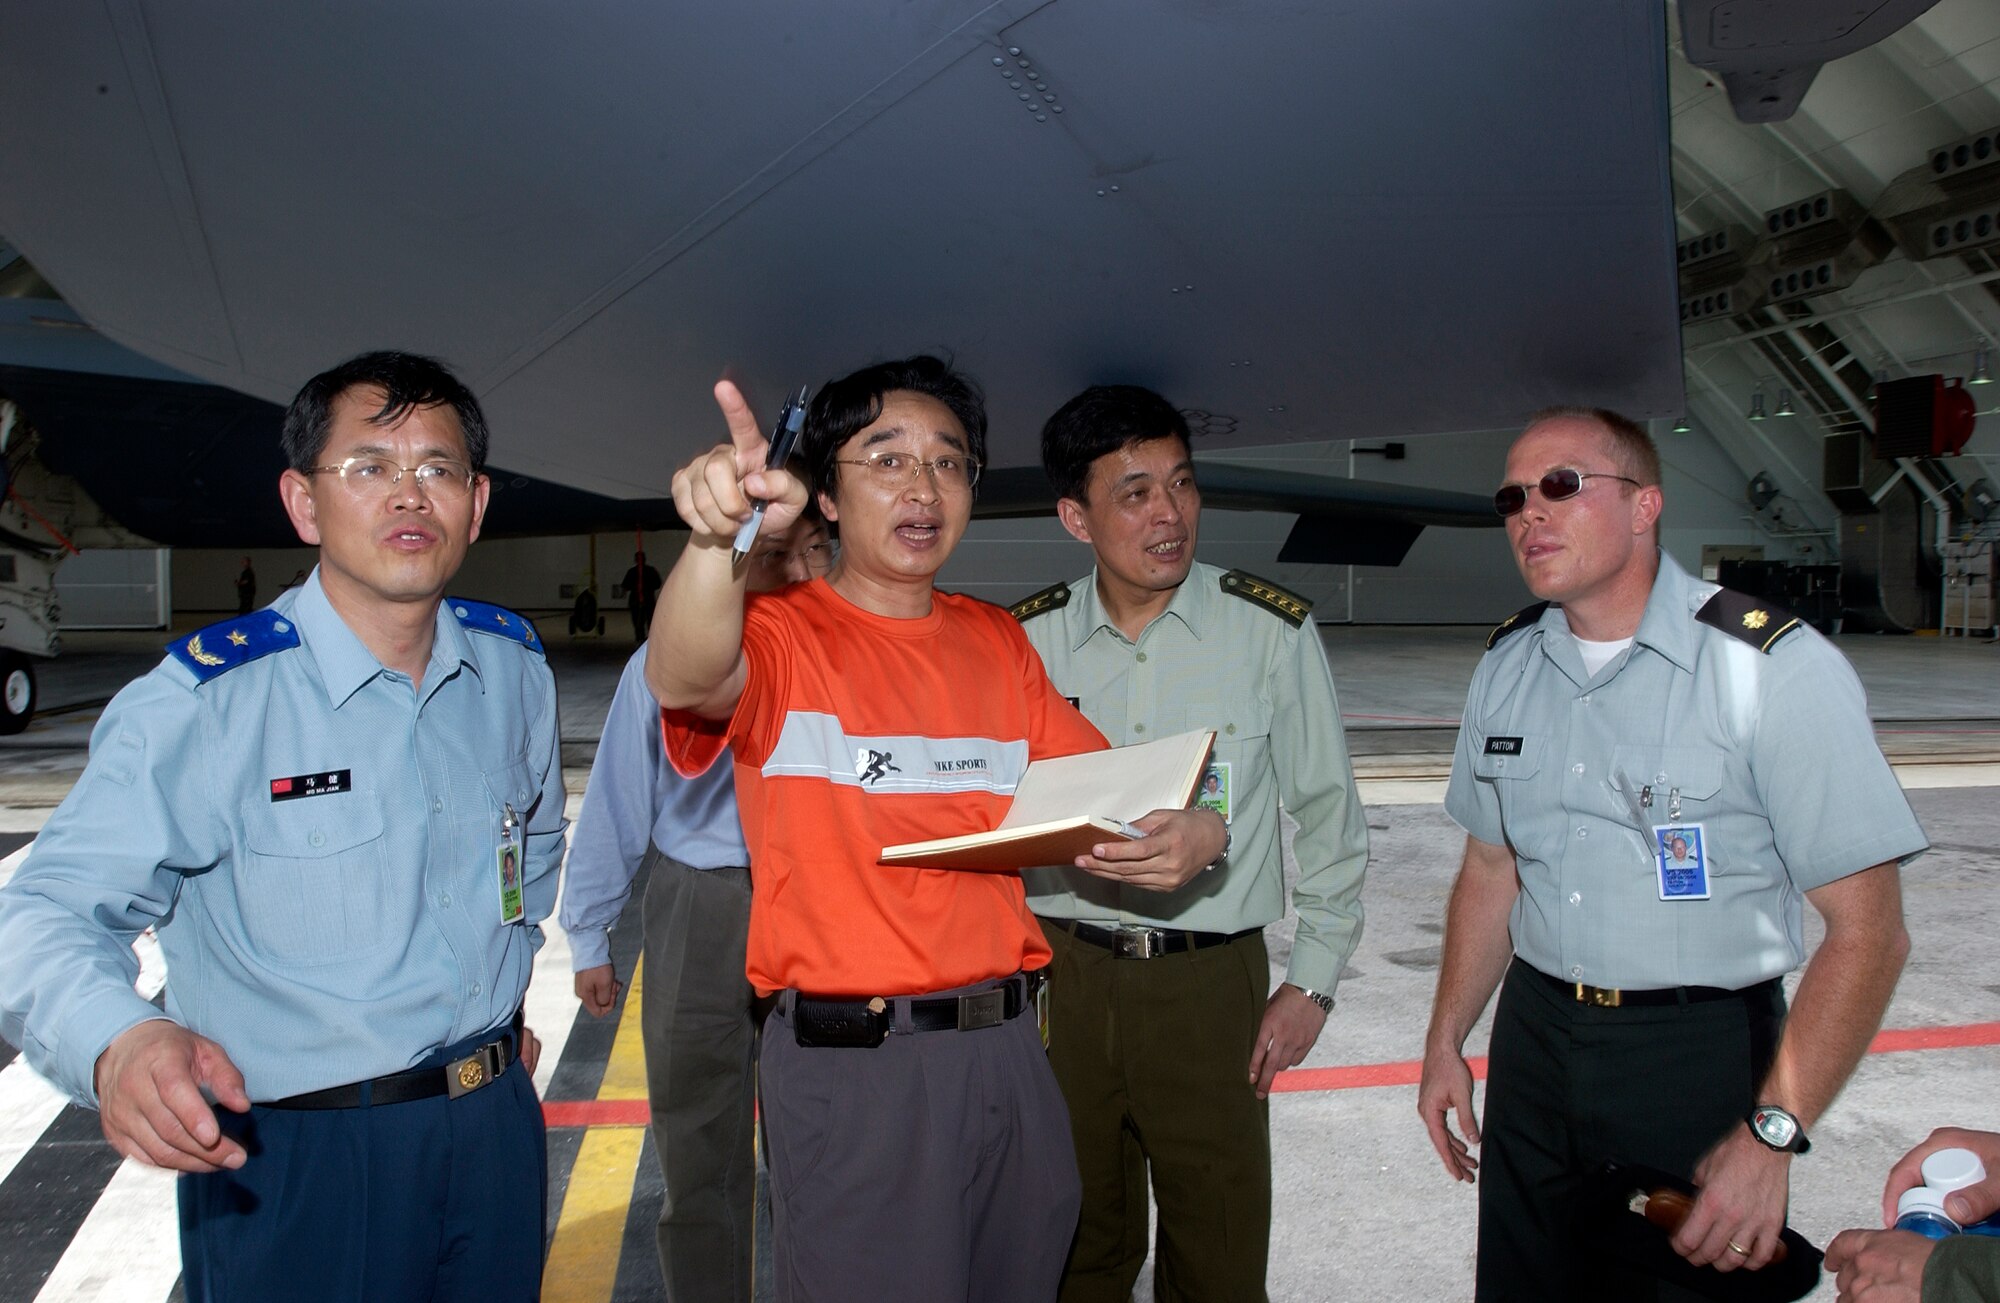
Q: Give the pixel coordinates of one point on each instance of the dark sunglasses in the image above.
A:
(1565, 482)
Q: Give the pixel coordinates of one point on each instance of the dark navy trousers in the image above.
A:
(430, 1201)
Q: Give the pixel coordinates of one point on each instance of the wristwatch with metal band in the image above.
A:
(1325, 1002)
(1778, 1129)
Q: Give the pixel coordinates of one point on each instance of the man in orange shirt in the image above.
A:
(919, 1147)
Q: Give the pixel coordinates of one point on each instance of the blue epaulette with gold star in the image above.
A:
(226, 644)
(484, 617)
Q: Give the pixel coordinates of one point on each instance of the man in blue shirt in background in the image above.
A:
(699, 1013)
(316, 805)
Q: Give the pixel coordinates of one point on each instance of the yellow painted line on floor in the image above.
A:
(583, 1261)
(582, 1264)
(625, 1070)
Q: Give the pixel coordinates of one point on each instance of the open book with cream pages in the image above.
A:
(1064, 805)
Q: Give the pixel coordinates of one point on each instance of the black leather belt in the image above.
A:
(1148, 942)
(459, 1077)
(1602, 997)
(867, 1023)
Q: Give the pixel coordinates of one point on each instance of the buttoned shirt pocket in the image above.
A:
(313, 885)
(1236, 717)
(1242, 724)
(1693, 774)
(510, 786)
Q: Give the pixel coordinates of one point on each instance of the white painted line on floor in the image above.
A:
(1972, 775)
(551, 1003)
(13, 862)
(1400, 791)
(24, 818)
(152, 965)
(27, 1105)
(127, 1248)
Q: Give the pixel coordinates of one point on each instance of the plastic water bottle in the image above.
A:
(1921, 1209)
(1954, 1169)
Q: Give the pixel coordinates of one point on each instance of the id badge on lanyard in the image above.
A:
(507, 863)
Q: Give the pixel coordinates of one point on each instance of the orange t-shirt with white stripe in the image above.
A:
(858, 731)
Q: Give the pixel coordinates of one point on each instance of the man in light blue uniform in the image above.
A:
(316, 804)
(1642, 1019)
(699, 1015)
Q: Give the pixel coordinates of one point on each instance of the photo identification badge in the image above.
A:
(507, 861)
(1214, 791)
(1681, 853)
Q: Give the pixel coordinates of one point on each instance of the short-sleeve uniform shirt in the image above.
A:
(317, 840)
(1771, 753)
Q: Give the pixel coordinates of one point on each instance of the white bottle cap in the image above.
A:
(1953, 1169)
(1921, 1199)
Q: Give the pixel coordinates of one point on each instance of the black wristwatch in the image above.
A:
(1777, 1129)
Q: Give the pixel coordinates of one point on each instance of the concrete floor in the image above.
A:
(1364, 1209)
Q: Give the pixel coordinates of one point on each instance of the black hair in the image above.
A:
(843, 408)
(407, 382)
(1103, 419)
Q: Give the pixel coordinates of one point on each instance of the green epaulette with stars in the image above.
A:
(484, 617)
(1520, 619)
(226, 644)
(1053, 598)
(1286, 605)
(1752, 619)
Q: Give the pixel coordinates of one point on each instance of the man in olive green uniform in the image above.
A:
(1164, 1032)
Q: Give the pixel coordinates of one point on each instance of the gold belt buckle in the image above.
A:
(463, 1076)
(1597, 997)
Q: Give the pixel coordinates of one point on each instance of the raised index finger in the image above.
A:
(744, 433)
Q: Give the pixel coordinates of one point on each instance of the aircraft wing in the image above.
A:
(1311, 221)
(1340, 521)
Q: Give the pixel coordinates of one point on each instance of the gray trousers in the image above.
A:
(698, 1015)
(934, 1168)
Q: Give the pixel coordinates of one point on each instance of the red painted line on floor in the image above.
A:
(596, 1112)
(1408, 1073)
(1359, 1076)
(1899, 1040)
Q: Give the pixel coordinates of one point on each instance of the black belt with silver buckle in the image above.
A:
(1604, 997)
(867, 1023)
(459, 1077)
(1149, 942)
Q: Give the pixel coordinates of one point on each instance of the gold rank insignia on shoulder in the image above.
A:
(1746, 618)
(1283, 603)
(1520, 619)
(222, 647)
(1052, 598)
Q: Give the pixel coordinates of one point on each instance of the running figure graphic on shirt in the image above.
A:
(875, 765)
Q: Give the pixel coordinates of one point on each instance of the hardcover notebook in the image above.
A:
(1066, 804)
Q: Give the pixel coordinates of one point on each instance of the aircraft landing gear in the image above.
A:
(17, 692)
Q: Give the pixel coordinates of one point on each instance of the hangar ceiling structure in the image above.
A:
(1892, 303)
